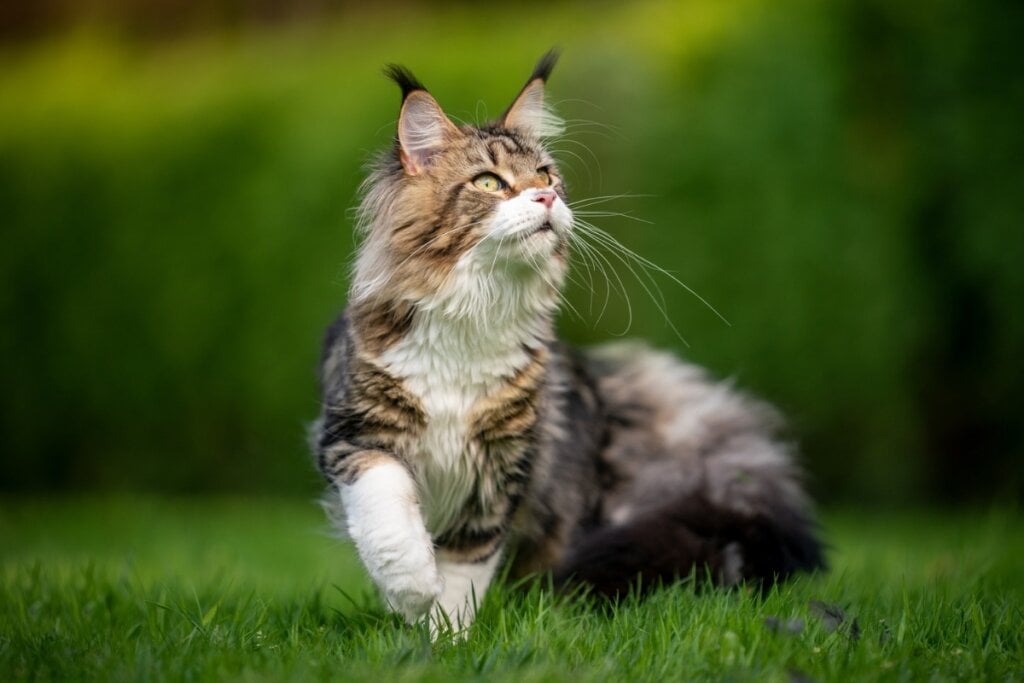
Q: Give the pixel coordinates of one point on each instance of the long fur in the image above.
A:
(457, 430)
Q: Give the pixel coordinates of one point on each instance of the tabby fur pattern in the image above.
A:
(457, 432)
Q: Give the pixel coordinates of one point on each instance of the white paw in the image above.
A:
(411, 591)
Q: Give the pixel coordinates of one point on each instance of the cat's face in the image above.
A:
(466, 206)
(493, 192)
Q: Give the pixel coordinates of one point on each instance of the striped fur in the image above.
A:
(488, 438)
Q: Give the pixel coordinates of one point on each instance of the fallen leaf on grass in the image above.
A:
(833, 617)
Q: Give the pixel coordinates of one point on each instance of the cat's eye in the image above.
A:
(545, 175)
(488, 182)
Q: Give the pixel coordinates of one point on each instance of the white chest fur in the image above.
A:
(450, 365)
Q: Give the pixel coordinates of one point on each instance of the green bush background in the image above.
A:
(843, 180)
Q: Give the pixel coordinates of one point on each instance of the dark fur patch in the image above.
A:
(404, 78)
(690, 535)
(345, 463)
(511, 411)
(382, 402)
(470, 544)
(381, 325)
(545, 65)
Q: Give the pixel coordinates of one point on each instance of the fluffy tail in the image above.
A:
(692, 535)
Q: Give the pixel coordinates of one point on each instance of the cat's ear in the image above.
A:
(530, 112)
(423, 127)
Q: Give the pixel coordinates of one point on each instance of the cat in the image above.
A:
(457, 432)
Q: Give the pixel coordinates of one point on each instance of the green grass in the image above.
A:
(254, 589)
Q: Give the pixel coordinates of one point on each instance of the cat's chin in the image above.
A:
(545, 232)
(539, 243)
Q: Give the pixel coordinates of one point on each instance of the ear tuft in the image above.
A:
(545, 65)
(529, 112)
(404, 78)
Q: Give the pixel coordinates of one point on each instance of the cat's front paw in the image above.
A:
(384, 521)
(412, 593)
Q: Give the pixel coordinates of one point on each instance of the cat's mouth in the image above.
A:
(545, 227)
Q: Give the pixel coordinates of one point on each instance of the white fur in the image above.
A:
(464, 588)
(385, 523)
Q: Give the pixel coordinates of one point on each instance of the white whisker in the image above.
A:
(587, 254)
(612, 214)
(650, 264)
(658, 300)
(622, 288)
(601, 199)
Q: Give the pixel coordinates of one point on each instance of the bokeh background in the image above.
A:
(843, 180)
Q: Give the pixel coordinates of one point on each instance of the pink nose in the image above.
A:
(545, 197)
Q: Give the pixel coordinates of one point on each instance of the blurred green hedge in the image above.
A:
(842, 180)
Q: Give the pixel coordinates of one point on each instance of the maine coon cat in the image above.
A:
(457, 432)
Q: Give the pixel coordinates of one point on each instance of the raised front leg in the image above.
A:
(464, 586)
(384, 521)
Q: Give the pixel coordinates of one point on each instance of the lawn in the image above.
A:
(139, 588)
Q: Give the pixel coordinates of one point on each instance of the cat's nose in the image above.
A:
(545, 197)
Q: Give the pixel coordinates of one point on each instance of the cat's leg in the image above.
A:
(384, 521)
(465, 584)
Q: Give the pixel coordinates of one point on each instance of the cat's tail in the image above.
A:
(692, 536)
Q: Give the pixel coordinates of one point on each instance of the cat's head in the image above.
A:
(457, 211)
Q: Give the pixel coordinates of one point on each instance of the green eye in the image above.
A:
(544, 175)
(488, 182)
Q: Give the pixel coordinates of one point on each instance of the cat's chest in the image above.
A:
(452, 392)
(453, 383)
(445, 443)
